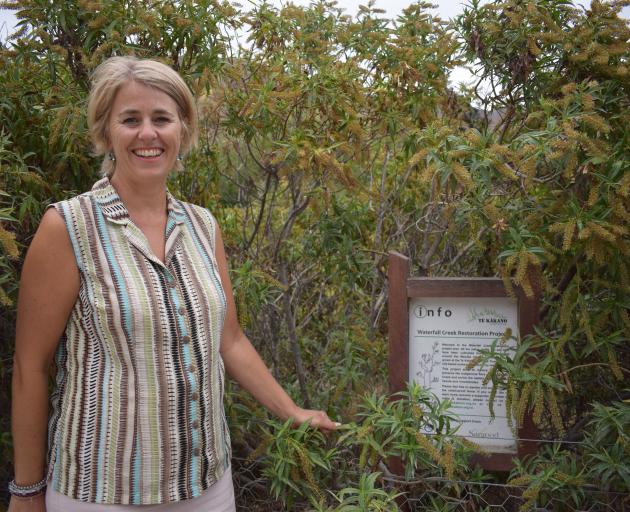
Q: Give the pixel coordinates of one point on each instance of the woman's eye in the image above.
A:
(163, 120)
(130, 120)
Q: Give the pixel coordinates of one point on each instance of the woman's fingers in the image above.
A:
(318, 419)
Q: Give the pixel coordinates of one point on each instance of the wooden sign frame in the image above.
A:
(402, 287)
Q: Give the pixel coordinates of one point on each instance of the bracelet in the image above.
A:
(27, 491)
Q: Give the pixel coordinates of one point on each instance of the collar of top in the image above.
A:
(115, 210)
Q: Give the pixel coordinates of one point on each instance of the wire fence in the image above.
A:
(436, 494)
(487, 496)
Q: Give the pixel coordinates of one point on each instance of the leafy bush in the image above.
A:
(328, 140)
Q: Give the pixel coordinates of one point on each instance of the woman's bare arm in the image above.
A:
(49, 288)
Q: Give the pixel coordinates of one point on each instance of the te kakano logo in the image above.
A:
(425, 312)
(487, 316)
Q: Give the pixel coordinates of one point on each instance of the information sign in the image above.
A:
(436, 326)
(444, 335)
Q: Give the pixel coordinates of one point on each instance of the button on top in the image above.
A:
(172, 283)
(194, 396)
(196, 452)
(186, 339)
(192, 368)
(182, 310)
(195, 424)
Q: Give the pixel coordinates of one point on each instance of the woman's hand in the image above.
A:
(317, 419)
(34, 504)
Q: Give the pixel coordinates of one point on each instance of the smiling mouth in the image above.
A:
(148, 153)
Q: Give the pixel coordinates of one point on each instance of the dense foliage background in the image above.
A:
(329, 140)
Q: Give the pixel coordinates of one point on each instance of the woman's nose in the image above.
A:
(147, 130)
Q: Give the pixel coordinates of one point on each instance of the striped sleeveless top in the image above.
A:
(137, 411)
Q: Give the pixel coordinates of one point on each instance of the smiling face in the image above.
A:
(145, 132)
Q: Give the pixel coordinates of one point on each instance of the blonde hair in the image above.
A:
(110, 75)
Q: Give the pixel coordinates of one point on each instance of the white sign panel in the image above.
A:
(444, 335)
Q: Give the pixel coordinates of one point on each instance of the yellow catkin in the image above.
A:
(426, 444)
(588, 103)
(457, 154)
(556, 418)
(569, 231)
(57, 124)
(529, 167)
(5, 300)
(33, 179)
(521, 266)
(418, 157)
(595, 147)
(492, 212)
(562, 146)
(593, 195)
(363, 431)
(506, 336)
(471, 445)
(462, 175)
(498, 149)
(520, 480)
(530, 495)
(473, 136)
(617, 230)
(601, 232)
(269, 279)
(241, 307)
(539, 405)
(506, 171)
(614, 364)
(624, 247)
(526, 285)
(473, 362)
(585, 233)
(570, 132)
(448, 461)
(307, 469)
(523, 403)
(590, 250)
(620, 209)
(8, 244)
(533, 47)
(507, 282)
(355, 129)
(428, 173)
(595, 122)
(602, 58)
(534, 117)
(569, 479)
(580, 56)
(510, 399)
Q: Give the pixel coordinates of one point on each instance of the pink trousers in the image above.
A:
(219, 498)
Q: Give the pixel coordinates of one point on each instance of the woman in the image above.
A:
(128, 289)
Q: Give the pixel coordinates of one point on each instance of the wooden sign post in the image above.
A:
(436, 326)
